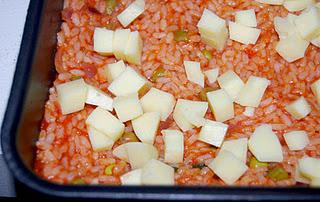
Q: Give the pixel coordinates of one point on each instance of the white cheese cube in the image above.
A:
(243, 34)
(308, 23)
(316, 41)
(228, 167)
(157, 173)
(146, 126)
(315, 182)
(105, 122)
(271, 2)
(238, 148)
(193, 118)
(128, 82)
(99, 98)
(309, 167)
(173, 146)
(194, 73)
(246, 18)
(127, 107)
(213, 133)
(120, 40)
(296, 140)
(129, 14)
(102, 41)
(132, 178)
(133, 49)
(213, 29)
(231, 83)
(297, 5)
(265, 145)
(72, 96)
(114, 70)
(299, 108)
(249, 111)
(252, 92)
(121, 152)
(186, 107)
(212, 75)
(98, 140)
(315, 87)
(284, 27)
(221, 105)
(158, 101)
(292, 48)
(299, 177)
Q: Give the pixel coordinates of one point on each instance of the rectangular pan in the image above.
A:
(33, 77)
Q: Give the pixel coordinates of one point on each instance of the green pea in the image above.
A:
(181, 35)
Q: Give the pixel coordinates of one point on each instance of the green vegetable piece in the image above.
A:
(74, 77)
(278, 174)
(159, 72)
(254, 163)
(129, 137)
(180, 35)
(110, 6)
(204, 91)
(207, 54)
(108, 169)
(78, 181)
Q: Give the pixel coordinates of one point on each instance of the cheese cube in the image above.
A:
(157, 173)
(121, 152)
(296, 140)
(249, 111)
(265, 145)
(120, 39)
(128, 82)
(98, 140)
(228, 167)
(213, 29)
(146, 126)
(221, 105)
(231, 83)
(299, 108)
(105, 122)
(238, 148)
(315, 182)
(132, 178)
(292, 48)
(243, 34)
(135, 9)
(212, 75)
(299, 177)
(99, 98)
(193, 118)
(213, 133)
(309, 167)
(173, 146)
(158, 101)
(102, 41)
(194, 73)
(127, 107)
(246, 18)
(133, 49)
(252, 92)
(308, 23)
(114, 70)
(316, 41)
(271, 2)
(284, 27)
(297, 5)
(315, 87)
(72, 96)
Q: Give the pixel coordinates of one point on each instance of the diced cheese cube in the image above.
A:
(105, 122)
(299, 108)
(296, 140)
(265, 145)
(315, 87)
(187, 107)
(102, 41)
(98, 140)
(127, 107)
(133, 49)
(299, 177)
(292, 48)
(291, 18)
(221, 105)
(158, 101)
(146, 126)
(243, 34)
(72, 96)
(99, 98)
(228, 167)
(315, 182)
(252, 92)
(114, 70)
(173, 146)
(135, 9)
(316, 41)
(271, 2)
(238, 148)
(308, 23)
(120, 39)
(157, 173)
(284, 27)
(194, 73)
(249, 111)
(212, 75)
(231, 83)
(297, 5)
(213, 29)
(213, 133)
(193, 118)
(128, 82)
(309, 167)
(132, 178)
(246, 18)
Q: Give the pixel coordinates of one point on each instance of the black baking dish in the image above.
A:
(33, 77)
